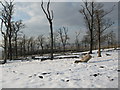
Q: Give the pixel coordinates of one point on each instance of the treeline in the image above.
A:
(41, 44)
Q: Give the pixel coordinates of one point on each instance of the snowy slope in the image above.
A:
(1, 53)
(99, 72)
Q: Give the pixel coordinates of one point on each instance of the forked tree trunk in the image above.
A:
(49, 16)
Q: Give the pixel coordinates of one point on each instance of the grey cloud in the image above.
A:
(65, 14)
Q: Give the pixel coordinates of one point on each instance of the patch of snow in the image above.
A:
(1, 52)
(1, 77)
(99, 72)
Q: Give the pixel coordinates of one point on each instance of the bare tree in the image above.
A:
(88, 12)
(94, 16)
(111, 39)
(47, 43)
(6, 16)
(5, 37)
(49, 16)
(85, 42)
(41, 41)
(31, 44)
(24, 44)
(101, 23)
(77, 43)
(98, 23)
(17, 26)
(63, 33)
(6, 13)
(28, 45)
(55, 39)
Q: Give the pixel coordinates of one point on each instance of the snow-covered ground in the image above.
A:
(1, 53)
(99, 72)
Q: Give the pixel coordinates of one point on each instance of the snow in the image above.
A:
(99, 72)
(1, 52)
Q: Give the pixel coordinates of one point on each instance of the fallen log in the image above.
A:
(85, 58)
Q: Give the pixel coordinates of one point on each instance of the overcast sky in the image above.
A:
(65, 14)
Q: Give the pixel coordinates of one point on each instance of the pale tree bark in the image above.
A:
(98, 33)
(101, 24)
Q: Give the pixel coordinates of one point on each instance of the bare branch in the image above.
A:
(50, 18)
(44, 10)
(1, 28)
(84, 13)
(48, 5)
(108, 12)
(86, 6)
(52, 15)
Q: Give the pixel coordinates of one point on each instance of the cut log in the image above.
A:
(77, 61)
(85, 58)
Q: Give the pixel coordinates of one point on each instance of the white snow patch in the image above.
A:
(99, 72)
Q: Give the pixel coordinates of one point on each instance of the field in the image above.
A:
(99, 72)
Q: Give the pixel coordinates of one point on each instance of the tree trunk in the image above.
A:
(99, 29)
(99, 52)
(91, 43)
(99, 47)
(28, 49)
(64, 48)
(91, 30)
(21, 50)
(51, 28)
(5, 49)
(24, 51)
(50, 18)
(10, 47)
(16, 52)
(42, 49)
